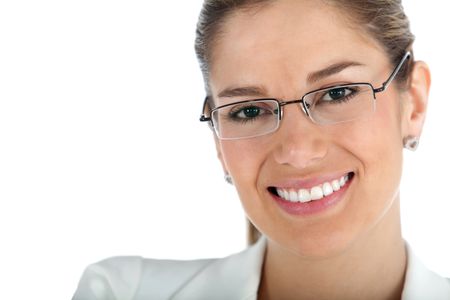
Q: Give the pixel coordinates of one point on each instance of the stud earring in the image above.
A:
(228, 179)
(411, 143)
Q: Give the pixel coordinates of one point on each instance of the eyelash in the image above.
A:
(346, 98)
(232, 115)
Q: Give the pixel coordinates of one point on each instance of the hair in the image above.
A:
(383, 20)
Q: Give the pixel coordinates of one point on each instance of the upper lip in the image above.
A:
(307, 183)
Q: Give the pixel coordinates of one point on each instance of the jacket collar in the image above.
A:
(238, 277)
(421, 283)
(233, 277)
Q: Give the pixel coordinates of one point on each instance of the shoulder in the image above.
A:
(124, 277)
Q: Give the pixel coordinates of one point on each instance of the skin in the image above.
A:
(339, 253)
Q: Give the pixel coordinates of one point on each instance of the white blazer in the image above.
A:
(233, 277)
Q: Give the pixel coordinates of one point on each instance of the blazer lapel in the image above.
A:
(233, 277)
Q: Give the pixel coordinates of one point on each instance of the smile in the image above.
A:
(317, 192)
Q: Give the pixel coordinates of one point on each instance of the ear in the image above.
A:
(414, 110)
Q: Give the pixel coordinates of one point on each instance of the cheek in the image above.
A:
(242, 159)
(377, 139)
(376, 143)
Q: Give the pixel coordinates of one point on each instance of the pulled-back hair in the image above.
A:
(383, 20)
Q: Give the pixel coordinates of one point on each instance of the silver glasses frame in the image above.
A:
(304, 105)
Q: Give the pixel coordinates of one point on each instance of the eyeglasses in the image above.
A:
(252, 118)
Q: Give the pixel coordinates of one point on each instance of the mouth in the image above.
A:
(309, 194)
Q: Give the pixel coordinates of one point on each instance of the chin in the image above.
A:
(318, 247)
(321, 239)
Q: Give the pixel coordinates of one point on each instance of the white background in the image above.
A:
(102, 154)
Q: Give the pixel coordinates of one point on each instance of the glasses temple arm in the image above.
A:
(394, 73)
(203, 117)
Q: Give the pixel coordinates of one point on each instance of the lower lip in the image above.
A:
(314, 206)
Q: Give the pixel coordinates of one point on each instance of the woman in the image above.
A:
(311, 103)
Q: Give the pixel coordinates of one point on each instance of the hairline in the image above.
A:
(352, 22)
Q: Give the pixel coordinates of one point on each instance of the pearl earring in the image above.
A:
(411, 143)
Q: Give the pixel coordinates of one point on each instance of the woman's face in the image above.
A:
(273, 50)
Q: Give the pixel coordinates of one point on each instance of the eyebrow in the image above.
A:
(254, 91)
(259, 91)
(331, 70)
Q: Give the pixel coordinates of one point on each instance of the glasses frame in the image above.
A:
(304, 105)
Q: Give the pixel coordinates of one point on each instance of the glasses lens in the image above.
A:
(340, 103)
(246, 119)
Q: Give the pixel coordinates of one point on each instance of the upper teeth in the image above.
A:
(315, 193)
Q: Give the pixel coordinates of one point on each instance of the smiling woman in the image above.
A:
(311, 104)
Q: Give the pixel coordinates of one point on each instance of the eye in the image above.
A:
(337, 94)
(248, 112)
(251, 111)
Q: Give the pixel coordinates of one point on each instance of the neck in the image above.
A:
(372, 268)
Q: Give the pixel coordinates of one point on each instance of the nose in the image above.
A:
(299, 142)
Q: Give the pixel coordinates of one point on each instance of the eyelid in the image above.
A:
(236, 100)
(336, 84)
(257, 104)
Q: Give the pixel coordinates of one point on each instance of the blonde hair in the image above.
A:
(383, 20)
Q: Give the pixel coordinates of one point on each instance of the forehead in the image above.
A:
(285, 39)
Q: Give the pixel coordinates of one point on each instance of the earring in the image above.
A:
(411, 143)
(228, 179)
